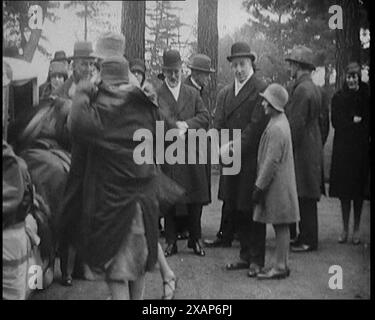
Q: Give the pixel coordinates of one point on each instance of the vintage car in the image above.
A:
(24, 270)
(20, 91)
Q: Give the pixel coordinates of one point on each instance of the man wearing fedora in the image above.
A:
(81, 69)
(183, 108)
(239, 107)
(303, 112)
(119, 198)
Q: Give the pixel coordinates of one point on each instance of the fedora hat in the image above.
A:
(171, 59)
(241, 50)
(58, 67)
(82, 50)
(137, 65)
(276, 95)
(115, 70)
(302, 55)
(59, 56)
(109, 44)
(201, 62)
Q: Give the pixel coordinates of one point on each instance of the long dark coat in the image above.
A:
(189, 108)
(350, 153)
(204, 97)
(244, 112)
(304, 111)
(113, 183)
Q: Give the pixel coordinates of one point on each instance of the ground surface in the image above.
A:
(206, 278)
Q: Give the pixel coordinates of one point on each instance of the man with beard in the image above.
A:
(183, 109)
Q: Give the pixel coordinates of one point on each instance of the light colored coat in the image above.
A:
(275, 174)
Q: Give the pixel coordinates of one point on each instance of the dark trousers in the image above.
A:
(252, 235)
(194, 223)
(227, 226)
(308, 225)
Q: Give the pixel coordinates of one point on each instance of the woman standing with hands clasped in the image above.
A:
(275, 191)
(350, 154)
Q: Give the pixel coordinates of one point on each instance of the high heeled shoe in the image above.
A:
(343, 237)
(356, 239)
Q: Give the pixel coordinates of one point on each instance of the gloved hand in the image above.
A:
(258, 195)
(88, 88)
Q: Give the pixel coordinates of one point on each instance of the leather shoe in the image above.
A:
(273, 273)
(217, 243)
(183, 235)
(67, 281)
(254, 270)
(170, 250)
(302, 248)
(197, 247)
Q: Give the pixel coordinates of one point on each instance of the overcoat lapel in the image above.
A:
(182, 99)
(168, 100)
(246, 91)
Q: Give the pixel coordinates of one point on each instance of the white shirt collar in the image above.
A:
(238, 86)
(196, 84)
(175, 91)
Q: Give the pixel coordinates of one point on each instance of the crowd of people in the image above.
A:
(107, 211)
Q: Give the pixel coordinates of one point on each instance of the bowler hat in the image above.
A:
(60, 56)
(302, 55)
(82, 50)
(137, 65)
(115, 70)
(353, 67)
(109, 44)
(201, 62)
(171, 59)
(58, 67)
(276, 95)
(241, 50)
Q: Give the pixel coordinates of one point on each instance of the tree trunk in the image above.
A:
(86, 13)
(348, 43)
(31, 45)
(208, 43)
(133, 28)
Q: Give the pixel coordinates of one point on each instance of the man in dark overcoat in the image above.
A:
(304, 111)
(200, 66)
(183, 109)
(238, 107)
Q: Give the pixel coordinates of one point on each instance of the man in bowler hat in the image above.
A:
(239, 107)
(183, 109)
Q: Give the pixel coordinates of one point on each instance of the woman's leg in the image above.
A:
(137, 288)
(119, 289)
(358, 203)
(345, 211)
(67, 259)
(165, 270)
(282, 245)
(167, 275)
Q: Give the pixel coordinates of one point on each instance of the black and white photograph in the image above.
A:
(186, 150)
